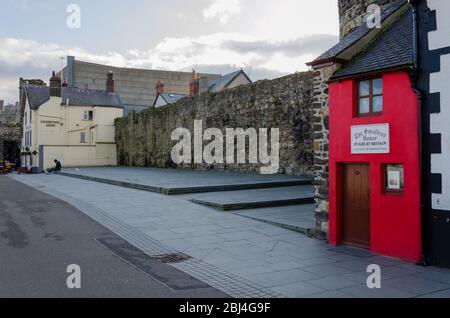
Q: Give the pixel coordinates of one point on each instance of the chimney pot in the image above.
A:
(55, 85)
(194, 85)
(159, 88)
(110, 82)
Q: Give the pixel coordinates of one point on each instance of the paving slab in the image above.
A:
(182, 181)
(259, 198)
(416, 285)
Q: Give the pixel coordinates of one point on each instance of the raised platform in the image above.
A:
(253, 199)
(283, 201)
(178, 181)
(297, 218)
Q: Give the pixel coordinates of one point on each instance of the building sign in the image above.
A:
(371, 139)
(50, 123)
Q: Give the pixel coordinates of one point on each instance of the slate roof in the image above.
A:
(356, 35)
(171, 98)
(38, 95)
(127, 109)
(393, 48)
(222, 83)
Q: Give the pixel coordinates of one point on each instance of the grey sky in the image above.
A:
(268, 38)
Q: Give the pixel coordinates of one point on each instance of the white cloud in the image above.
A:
(261, 56)
(20, 52)
(222, 10)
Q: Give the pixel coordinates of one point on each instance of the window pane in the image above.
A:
(364, 106)
(377, 104)
(364, 88)
(377, 86)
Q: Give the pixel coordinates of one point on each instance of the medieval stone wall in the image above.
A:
(352, 12)
(10, 133)
(144, 139)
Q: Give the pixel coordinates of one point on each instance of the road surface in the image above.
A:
(40, 236)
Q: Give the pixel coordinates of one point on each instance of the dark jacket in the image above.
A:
(58, 166)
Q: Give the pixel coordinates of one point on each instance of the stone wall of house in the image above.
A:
(144, 139)
(321, 142)
(352, 12)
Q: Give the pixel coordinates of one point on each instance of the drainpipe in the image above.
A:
(414, 79)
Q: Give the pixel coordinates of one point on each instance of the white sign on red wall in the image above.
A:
(371, 139)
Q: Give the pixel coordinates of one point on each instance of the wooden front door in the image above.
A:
(355, 205)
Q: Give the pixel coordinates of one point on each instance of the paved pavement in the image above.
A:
(237, 255)
(41, 235)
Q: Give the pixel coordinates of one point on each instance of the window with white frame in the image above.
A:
(83, 137)
(88, 115)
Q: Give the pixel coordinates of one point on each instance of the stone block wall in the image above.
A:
(321, 142)
(144, 139)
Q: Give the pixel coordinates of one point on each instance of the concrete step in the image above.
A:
(253, 199)
(166, 182)
(299, 218)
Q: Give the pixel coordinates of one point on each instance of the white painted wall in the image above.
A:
(160, 102)
(440, 82)
(440, 38)
(240, 80)
(62, 140)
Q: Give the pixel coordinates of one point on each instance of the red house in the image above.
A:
(374, 142)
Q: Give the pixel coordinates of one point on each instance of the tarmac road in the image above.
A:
(41, 235)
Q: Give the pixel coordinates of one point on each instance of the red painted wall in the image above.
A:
(395, 220)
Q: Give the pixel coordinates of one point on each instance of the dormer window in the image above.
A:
(370, 97)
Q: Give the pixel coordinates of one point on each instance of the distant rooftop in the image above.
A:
(222, 83)
(38, 95)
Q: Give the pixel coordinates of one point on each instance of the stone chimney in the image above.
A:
(352, 13)
(159, 88)
(55, 85)
(110, 82)
(194, 85)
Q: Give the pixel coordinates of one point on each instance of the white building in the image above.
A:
(75, 126)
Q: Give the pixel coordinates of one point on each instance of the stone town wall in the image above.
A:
(10, 133)
(144, 139)
(352, 12)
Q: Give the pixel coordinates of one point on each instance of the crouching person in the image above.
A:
(56, 168)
